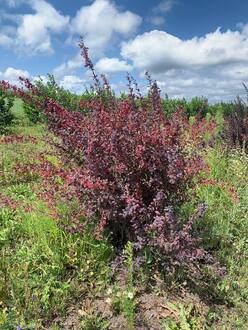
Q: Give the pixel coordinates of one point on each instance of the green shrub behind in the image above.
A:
(50, 90)
(6, 103)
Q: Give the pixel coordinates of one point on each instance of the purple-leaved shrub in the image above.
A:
(133, 166)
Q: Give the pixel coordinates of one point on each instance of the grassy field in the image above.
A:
(53, 279)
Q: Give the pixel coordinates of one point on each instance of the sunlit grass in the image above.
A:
(45, 270)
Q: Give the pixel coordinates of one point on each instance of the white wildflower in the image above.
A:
(130, 295)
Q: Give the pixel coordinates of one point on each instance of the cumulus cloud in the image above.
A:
(159, 51)
(32, 35)
(101, 21)
(214, 65)
(5, 41)
(211, 83)
(156, 20)
(112, 65)
(73, 83)
(164, 6)
(12, 75)
(236, 71)
(40, 77)
(12, 3)
(158, 12)
(15, 3)
(70, 82)
(101, 24)
(69, 66)
(213, 87)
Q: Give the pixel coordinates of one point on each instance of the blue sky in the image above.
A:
(190, 47)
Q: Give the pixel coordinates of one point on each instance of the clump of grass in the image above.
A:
(43, 268)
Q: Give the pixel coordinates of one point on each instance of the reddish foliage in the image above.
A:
(8, 202)
(17, 139)
(133, 167)
(236, 125)
(199, 130)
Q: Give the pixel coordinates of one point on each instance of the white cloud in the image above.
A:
(188, 85)
(15, 3)
(73, 83)
(214, 65)
(158, 12)
(164, 6)
(69, 66)
(236, 71)
(156, 20)
(70, 82)
(32, 35)
(38, 39)
(12, 3)
(5, 41)
(159, 51)
(101, 21)
(40, 77)
(12, 75)
(112, 65)
(101, 24)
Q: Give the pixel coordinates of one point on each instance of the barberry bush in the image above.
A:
(236, 128)
(133, 167)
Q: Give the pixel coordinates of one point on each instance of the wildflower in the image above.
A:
(108, 301)
(130, 295)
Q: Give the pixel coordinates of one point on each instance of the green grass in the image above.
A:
(226, 230)
(45, 271)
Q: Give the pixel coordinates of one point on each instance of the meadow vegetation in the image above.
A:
(121, 212)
